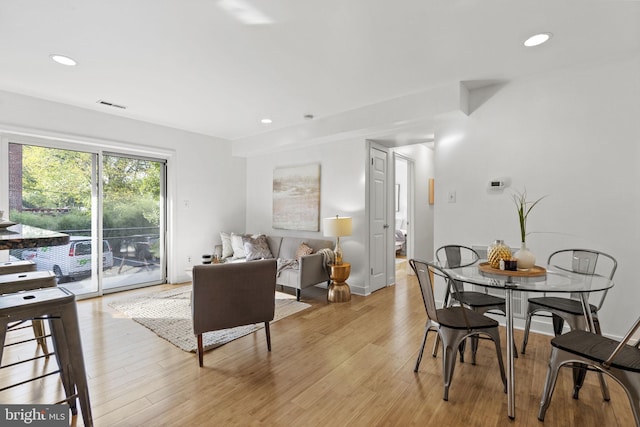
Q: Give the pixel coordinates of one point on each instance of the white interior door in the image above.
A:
(378, 218)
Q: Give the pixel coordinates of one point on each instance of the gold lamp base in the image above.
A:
(339, 290)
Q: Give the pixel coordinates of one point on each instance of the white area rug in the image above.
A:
(168, 314)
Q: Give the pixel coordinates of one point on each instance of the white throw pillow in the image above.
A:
(227, 249)
(238, 246)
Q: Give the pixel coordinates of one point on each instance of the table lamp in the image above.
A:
(337, 227)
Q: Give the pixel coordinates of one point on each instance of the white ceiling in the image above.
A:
(193, 65)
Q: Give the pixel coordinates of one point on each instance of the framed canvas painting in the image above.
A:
(296, 198)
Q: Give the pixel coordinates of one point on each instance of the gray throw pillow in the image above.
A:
(256, 247)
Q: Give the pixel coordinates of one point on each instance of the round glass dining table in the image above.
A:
(552, 280)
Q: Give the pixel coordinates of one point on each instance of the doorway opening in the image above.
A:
(401, 207)
(403, 201)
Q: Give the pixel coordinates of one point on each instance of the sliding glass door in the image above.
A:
(116, 228)
(132, 220)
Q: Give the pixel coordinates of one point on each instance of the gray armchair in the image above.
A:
(230, 295)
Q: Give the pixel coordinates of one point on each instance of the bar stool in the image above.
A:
(9, 267)
(26, 281)
(58, 305)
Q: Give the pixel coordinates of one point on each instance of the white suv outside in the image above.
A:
(70, 260)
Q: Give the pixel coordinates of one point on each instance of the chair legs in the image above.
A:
(474, 339)
(452, 340)
(527, 326)
(549, 384)
(424, 342)
(495, 337)
(449, 360)
(580, 373)
(558, 324)
(268, 332)
(461, 349)
(630, 381)
(575, 323)
(200, 350)
(40, 332)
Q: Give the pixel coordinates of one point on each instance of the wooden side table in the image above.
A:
(339, 289)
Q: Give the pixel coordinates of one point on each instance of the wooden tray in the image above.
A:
(534, 271)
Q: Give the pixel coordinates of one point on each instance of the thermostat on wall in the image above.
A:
(499, 184)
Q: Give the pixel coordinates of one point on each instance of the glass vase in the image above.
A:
(526, 258)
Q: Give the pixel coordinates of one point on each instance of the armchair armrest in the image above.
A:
(312, 270)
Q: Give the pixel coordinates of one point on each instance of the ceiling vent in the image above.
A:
(111, 104)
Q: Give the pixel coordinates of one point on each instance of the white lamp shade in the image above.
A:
(337, 226)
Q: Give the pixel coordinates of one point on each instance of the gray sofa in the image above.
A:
(308, 271)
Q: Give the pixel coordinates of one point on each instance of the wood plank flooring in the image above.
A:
(348, 364)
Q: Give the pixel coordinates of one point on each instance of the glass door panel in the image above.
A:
(54, 189)
(133, 221)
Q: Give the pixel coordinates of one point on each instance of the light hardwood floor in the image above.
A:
(331, 365)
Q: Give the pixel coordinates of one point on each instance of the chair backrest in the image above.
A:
(425, 280)
(585, 261)
(426, 273)
(452, 256)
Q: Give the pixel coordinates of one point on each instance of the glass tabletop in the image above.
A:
(19, 236)
(555, 280)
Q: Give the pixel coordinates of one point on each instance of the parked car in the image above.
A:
(71, 260)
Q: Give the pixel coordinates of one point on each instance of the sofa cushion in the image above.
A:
(303, 250)
(256, 247)
(227, 249)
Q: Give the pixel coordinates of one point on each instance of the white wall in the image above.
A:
(572, 135)
(342, 192)
(201, 169)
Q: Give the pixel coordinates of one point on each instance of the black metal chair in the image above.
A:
(452, 324)
(453, 256)
(617, 359)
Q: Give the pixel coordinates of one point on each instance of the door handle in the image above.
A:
(385, 226)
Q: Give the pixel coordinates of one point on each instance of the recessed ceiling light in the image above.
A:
(64, 60)
(266, 121)
(537, 39)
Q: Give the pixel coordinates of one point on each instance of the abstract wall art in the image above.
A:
(296, 197)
